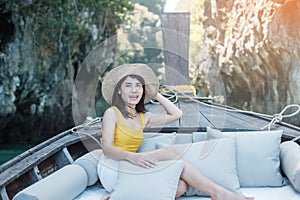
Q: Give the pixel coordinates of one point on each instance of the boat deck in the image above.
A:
(197, 116)
(61, 150)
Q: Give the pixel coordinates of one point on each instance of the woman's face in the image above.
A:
(131, 91)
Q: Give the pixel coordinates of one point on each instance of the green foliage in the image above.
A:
(141, 31)
(58, 22)
(68, 26)
(101, 105)
(154, 6)
(63, 32)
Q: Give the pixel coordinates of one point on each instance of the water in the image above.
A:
(9, 151)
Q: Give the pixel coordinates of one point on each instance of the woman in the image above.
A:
(122, 129)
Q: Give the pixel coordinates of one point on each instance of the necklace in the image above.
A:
(131, 112)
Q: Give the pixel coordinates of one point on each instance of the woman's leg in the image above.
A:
(181, 188)
(194, 178)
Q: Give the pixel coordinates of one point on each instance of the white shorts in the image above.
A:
(108, 172)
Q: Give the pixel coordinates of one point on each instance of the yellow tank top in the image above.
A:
(127, 138)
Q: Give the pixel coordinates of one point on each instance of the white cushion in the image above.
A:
(183, 138)
(107, 171)
(199, 136)
(161, 145)
(257, 156)
(65, 184)
(286, 192)
(290, 162)
(149, 144)
(136, 183)
(89, 163)
(215, 159)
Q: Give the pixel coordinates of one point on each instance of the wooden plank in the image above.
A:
(176, 31)
(221, 119)
(236, 121)
(261, 122)
(244, 118)
(3, 194)
(192, 118)
(32, 160)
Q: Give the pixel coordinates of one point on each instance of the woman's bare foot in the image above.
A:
(106, 197)
(181, 188)
(226, 195)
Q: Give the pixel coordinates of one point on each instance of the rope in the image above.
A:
(278, 117)
(218, 99)
(274, 118)
(88, 125)
(172, 97)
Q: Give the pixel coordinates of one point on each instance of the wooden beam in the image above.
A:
(176, 31)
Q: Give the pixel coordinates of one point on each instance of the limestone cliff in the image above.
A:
(251, 52)
(42, 46)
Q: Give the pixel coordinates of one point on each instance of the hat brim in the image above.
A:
(116, 74)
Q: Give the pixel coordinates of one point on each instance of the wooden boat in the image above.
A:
(62, 150)
(51, 170)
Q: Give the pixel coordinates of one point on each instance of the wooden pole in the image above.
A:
(176, 31)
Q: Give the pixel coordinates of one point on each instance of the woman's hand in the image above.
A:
(142, 160)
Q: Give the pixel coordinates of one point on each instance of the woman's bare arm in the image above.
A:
(172, 113)
(109, 124)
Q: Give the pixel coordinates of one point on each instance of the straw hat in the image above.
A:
(116, 74)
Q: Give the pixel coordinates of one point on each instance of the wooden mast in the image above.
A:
(176, 31)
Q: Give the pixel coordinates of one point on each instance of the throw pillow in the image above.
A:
(215, 159)
(290, 162)
(149, 144)
(136, 183)
(257, 156)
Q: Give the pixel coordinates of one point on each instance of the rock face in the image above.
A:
(254, 47)
(37, 75)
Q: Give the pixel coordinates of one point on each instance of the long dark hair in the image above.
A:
(120, 104)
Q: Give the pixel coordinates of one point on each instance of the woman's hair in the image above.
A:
(120, 104)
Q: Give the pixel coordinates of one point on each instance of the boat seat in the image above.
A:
(79, 181)
(286, 192)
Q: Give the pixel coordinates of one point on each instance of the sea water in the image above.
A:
(9, 151)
